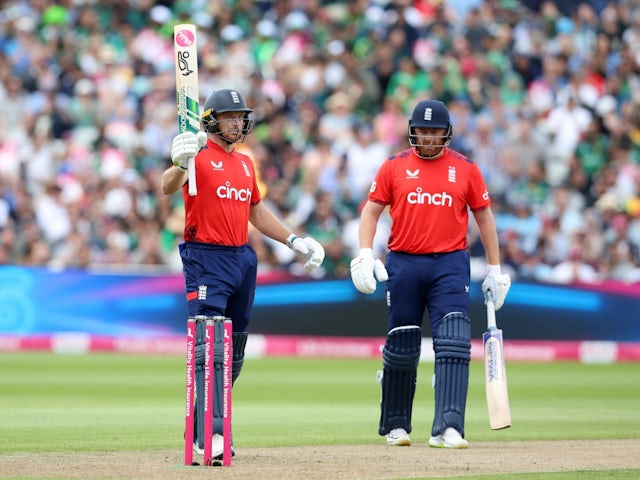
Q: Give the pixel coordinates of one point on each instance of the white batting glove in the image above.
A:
(308, 249)
(316, 254)
(365, 270)
(497, 283)
(185, 146)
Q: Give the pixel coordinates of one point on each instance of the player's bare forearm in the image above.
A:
(268, 223)
(368, 223)
(172, 180)
(488, 235)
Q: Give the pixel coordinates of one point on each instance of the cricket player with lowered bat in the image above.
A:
(429, 190)
(219, 265)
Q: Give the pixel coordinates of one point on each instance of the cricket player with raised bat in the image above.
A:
(429, 190)
(219, 264)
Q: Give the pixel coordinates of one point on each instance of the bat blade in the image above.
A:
(495, 374)
(187, 91)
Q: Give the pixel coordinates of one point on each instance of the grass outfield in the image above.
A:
(106, 403)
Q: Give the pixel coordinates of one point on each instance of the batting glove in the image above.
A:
(185, 146)
(365, 270)
(497, 283)
(307, 248)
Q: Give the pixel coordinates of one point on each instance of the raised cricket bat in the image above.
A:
(187, 93)
(495, 374)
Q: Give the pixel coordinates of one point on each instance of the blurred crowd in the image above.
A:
(544, 96)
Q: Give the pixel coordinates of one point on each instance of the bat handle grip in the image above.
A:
(193, 188)
(491, 311)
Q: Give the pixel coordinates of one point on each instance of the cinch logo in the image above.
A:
(228, 192)
(428, 112)
(485, 195)
(421, 198)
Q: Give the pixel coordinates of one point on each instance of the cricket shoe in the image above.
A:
(217, 447)
(398, 437)
(450, 438)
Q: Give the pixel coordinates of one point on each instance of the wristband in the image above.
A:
(182, 169)
(493, 269)
(290, 239)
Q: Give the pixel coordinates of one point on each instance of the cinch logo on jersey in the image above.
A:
(425, 198)
(228, 192)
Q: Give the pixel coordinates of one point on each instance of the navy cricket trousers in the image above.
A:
(220, 280)
(437, 283)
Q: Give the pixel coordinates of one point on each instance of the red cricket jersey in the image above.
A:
(429, 200)
(219, 213)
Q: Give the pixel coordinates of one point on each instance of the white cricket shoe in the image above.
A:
(217, 447)
(450, 438)
(398, 437)
(197, 449)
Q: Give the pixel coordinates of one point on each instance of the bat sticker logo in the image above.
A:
(184, 38)
(183, 64)
(493, 373)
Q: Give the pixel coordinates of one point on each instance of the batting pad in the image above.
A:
(452, 347)
(239, 344)
(400, 357)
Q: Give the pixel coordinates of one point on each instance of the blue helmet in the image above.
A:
(430, 114)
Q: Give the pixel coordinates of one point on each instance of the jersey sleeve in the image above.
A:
(256, 197)
(479, 197)
(380, 191)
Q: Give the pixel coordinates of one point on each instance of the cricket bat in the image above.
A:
(495, 374)
(187, 92)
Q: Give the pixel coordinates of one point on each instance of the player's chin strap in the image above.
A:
(426, 157)
(452, 347)
(230, 142)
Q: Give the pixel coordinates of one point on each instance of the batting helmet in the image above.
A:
(225, 100)
(430, 114)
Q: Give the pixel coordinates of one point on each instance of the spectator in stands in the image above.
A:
(550, 82)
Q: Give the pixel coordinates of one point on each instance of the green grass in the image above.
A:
(112, 402)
